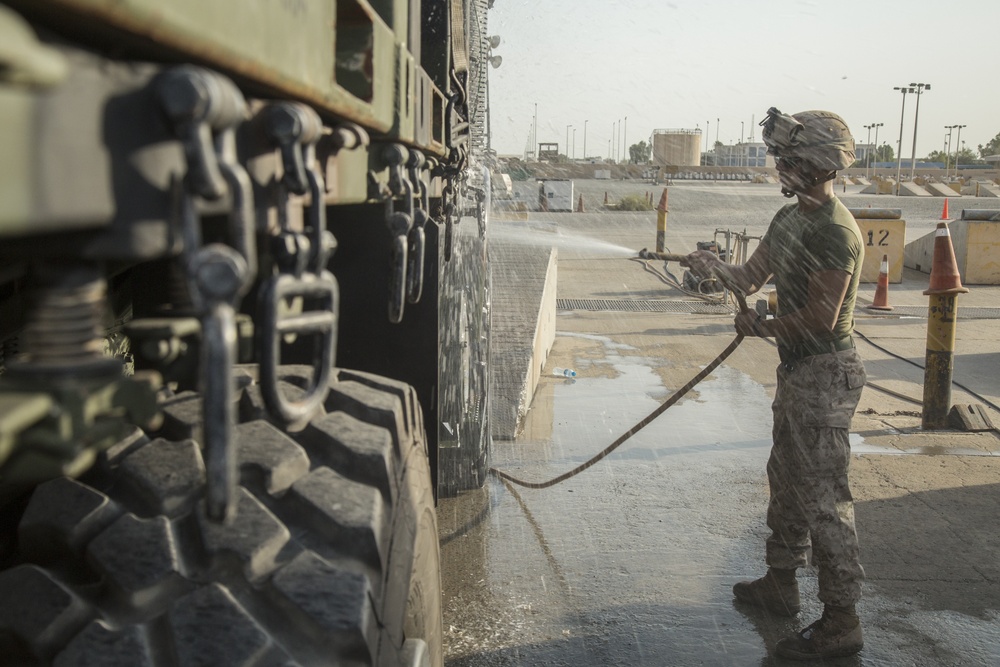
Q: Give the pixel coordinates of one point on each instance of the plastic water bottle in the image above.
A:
(564, 372)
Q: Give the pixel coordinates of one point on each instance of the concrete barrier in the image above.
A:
(524, 328)
(977, 249)
(941, 190)
(882, 186)
(912, 190)
(988, 190)
(883, 232)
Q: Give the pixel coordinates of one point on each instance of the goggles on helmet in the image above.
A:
(781, 132)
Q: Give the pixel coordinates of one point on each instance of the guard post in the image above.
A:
(661, 223)
(942, 320)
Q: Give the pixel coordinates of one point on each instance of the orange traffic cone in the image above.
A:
(663, 202)
(944, 211)
(579, 206)
(881, 301)
(945, 278)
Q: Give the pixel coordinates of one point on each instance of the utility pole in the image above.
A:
(899, 153)
(947, 151)
(958, 147)
(534, 134)
(618, 143)
(625, 141)
(868, 148)
(875, 168)
(742, 147)
(585, 139)
(921, 87)
(567, 140)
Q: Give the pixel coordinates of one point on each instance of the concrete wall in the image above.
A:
(977, 251)
(524, 328)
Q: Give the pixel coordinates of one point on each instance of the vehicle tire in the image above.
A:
(331, 559)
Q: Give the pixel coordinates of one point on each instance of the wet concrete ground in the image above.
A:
(632, 562)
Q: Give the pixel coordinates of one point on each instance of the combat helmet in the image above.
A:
(821, 138)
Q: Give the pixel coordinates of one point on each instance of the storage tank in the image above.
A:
(677, 148)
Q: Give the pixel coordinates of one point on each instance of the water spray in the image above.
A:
(676, 396)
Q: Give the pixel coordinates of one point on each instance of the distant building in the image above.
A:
(742, 155)
(548, 151)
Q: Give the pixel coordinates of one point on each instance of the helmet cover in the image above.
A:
(821, 138)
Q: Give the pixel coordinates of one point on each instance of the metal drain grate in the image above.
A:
(642, 306)
(703, 308)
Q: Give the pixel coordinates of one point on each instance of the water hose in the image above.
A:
(676, 396)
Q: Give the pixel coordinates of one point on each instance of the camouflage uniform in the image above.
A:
(818, 391)
(811, 501)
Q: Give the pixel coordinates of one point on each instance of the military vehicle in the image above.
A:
(210, 211)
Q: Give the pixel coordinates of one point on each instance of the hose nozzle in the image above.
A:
(665, 256)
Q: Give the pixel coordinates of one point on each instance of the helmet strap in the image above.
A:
(816, 180)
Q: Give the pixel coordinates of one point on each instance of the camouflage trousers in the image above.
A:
(811, 504)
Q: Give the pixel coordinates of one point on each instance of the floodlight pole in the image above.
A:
(921, 87)
(899, 152)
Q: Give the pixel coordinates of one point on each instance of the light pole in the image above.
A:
(574, 143)
(875, 168)
(706, 136)
(947, 151)
(618, 143)
(585, 139)
(567, 140)
(868, 148)
(899, 153)
(958, 147)
(534, 135)
(614, 144)
(921, 87)
(625, 141)
(742, 148)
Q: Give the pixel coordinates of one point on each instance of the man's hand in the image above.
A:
(702, 263)
(749, 324)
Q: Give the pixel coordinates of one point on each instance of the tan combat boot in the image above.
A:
(837, 633)
(777, 591)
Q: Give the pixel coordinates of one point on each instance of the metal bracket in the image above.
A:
(301, 259)
(417, 235)
(204, 109)
(400, 223)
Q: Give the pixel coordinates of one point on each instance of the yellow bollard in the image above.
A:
(942, 320)
(661, 223)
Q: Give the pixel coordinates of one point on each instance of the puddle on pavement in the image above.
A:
(631, 560)
(580, 416)
(861, 447)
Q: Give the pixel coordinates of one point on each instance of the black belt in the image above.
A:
(792, 353)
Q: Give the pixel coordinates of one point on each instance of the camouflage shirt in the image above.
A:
(801, 244)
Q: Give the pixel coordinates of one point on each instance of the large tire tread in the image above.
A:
(333, 519)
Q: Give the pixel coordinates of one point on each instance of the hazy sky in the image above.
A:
(682, 63)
